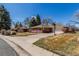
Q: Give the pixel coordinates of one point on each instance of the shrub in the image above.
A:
(13, 32)
(3, 31)
(8, 32)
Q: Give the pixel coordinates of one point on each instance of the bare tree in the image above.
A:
(26, 22)
(45, 22)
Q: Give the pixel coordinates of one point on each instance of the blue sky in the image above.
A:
(58, 12)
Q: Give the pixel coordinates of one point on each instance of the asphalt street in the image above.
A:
(6, 49)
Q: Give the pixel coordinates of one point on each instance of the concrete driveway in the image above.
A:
(26, 43)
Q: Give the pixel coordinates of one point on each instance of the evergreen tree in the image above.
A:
(5, 21)
(38, 19)
(33, 22)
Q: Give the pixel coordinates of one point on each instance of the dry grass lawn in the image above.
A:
(24, 34)
(63, 44)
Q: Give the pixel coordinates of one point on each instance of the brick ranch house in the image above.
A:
(41, 29)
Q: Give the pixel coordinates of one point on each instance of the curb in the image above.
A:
(21, 48)
(16, 45)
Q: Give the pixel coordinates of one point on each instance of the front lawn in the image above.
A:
(24, 34)
(63, 44)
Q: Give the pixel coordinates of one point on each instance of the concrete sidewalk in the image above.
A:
(26, 43)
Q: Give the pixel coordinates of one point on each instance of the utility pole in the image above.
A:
(54, 27)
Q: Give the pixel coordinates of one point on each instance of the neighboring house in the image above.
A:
(41, 28)
(19, 29)
(46, 28)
